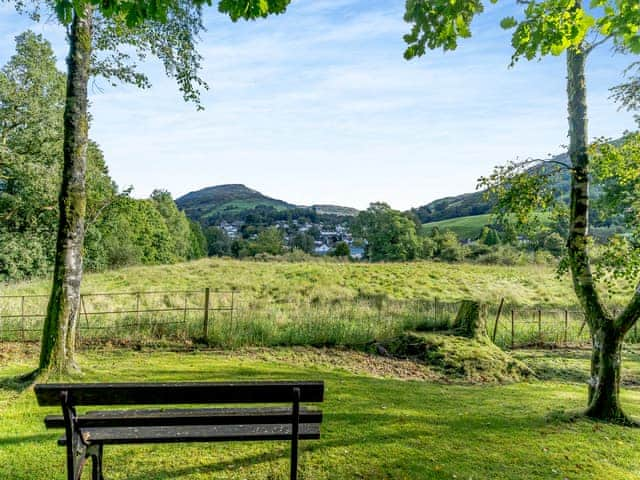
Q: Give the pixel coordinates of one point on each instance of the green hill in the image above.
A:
(225, 199)
(475, 204)
(238, 202)
(463, 227)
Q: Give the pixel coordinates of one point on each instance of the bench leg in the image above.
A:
(96, 463)
(295, 426)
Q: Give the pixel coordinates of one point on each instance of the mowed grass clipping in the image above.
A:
(333, 281)
(374, 428)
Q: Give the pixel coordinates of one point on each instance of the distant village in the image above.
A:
(325, 236)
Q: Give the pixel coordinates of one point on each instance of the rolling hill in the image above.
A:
(233, 201)
(473, 204)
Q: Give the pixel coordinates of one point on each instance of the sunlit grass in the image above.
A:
(374, 428)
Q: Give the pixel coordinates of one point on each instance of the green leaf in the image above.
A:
(508, 23)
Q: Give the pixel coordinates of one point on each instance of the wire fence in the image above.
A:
(228, 319)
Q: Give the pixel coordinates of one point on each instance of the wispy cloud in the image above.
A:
(318, 106)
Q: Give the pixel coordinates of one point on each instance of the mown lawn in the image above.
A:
(375, 428)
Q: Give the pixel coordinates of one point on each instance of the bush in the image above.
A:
(504, 255)
(23, 256)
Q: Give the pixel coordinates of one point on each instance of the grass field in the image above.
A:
(310, 303)
(282, 281)
(384, 419)
(463, 227)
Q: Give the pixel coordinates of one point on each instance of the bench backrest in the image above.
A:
(178, 393)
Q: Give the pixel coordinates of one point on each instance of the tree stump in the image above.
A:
(470, 320)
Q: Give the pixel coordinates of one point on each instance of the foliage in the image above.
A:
(616, 168)
(341, 249)
(390, 234)
(303, 241)
(267, 241)
(218, 242)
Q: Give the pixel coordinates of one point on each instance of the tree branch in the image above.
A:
(590, 47)
(630, 314)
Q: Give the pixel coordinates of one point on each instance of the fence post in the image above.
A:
(205, 326)
(566, 325)
(232, 305)
(540, 325)
(138, 309)
(513, 328)
(495, 327)
(22, 317)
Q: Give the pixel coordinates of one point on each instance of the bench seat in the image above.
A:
(195, 433)
(183, 416)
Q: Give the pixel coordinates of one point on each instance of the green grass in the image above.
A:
(306, 303)
(279, 282)
(374, 427)
(236, 206)
(463, 227)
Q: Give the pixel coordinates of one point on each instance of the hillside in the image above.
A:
(476, 203)
(463, 227)
(237, 201)
(225, 198)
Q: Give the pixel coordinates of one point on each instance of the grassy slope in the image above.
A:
(374, 428)
(236, 206)
(464, 227)
(277, 281)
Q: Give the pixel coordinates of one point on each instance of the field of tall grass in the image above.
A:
(281, 281)
(304, 303)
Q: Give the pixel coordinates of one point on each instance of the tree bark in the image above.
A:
(59, 332)
(604, 382)
(606, 333)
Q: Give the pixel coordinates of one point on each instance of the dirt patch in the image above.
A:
(360, 363)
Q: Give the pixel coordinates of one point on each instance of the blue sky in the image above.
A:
(318, 106)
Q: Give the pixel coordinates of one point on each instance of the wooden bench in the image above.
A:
(86, 434)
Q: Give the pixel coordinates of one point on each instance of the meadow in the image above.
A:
(268, 303)
(282, 281)
(463, 227)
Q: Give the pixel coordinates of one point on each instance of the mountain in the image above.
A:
(471, 204)
(237, 202)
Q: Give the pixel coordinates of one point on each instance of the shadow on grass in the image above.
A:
(19, 383)
(35, 438)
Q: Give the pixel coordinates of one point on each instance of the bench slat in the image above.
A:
(170, 417)
(178, 393)
(196, 433)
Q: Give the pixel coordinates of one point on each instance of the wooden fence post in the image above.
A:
(495, 327)
(138, 309)
(22, 317)
(232, 305)
(540, 325)
(205, 329)
(566, 325)
(513, 328)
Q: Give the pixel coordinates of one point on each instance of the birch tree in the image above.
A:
(553, 27)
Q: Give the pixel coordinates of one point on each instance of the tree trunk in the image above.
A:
(604, 383)
(607, 335)
(470, 320)
(59, 332)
